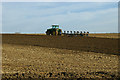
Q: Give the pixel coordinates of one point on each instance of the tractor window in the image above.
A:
(55, 26)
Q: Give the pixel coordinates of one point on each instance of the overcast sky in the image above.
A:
(38, 16)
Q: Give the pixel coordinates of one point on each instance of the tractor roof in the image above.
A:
(55, 24)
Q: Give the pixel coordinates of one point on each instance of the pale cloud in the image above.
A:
(99, 21)
(60, 0)
(0, 17)
(37, 17)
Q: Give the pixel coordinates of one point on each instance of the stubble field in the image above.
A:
(51, 57)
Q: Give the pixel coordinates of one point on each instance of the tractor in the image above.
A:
(54, 30)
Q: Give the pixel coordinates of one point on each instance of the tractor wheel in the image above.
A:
(47, 32)
(59, 32)
(53, 33)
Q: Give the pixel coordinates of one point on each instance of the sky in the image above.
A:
(37, 17)
(0, 17)
(60, 0)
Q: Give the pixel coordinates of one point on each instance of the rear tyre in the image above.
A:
(53, 33)
(60, 32)
(47, 32)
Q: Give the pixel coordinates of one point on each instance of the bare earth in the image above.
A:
(107, 35)
(36, 62)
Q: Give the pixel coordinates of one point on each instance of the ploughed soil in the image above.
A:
(51, 57)
(105, 35)
(88, 44)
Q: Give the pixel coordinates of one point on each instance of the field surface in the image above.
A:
(40, 56)
(105, 35)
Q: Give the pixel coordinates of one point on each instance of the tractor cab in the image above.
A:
(54, 30)
(55, 26)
